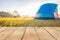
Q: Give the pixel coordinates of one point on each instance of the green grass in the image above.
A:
(44, 23)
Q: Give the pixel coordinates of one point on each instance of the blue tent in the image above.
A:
(47, 11)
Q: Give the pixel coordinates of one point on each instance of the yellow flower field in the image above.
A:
(28, 22)
(13, 21)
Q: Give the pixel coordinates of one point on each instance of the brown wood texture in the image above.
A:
(30, 33)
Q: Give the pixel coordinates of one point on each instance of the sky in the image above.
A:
(25, 7)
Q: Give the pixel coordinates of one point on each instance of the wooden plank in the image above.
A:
(2, 29)
(17, 35)
(56, 28)
(43, 34)
(6, 33)
(30, 34)
(54, 32)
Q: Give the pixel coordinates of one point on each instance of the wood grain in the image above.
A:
(30, 33)
(54, 32)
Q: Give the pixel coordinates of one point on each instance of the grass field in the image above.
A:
(28, 22)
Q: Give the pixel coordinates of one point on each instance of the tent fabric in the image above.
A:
(47, 11)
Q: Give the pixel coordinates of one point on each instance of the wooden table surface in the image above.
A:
(29, 33)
